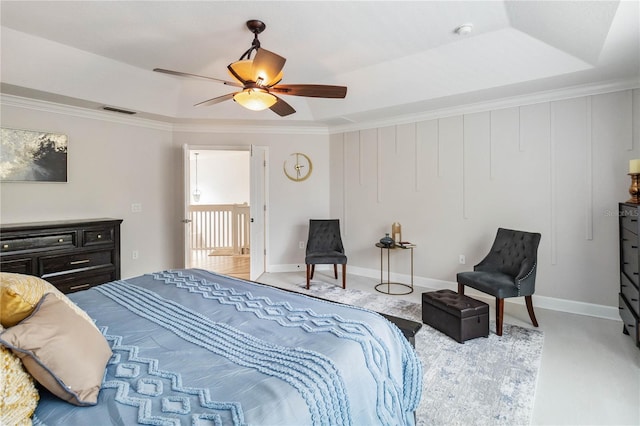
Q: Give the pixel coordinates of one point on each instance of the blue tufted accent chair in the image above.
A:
(324, 246)
(509, 270)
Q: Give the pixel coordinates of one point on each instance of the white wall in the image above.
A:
(223, 176)
(111, 165)
(290, 205)
(558, 168)
(114, 163)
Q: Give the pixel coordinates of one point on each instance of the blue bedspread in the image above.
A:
(192, 347)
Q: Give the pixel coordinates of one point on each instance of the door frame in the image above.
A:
(258, 202)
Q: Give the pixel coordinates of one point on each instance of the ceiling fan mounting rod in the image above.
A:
(256, 27)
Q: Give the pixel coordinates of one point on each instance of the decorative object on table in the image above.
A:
(634, 189)
(297, 167)
(387, 241)
(509, 270)
(31, 156)
(396, 232)
(196, 192)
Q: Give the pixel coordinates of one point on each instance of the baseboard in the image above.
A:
(543, 302)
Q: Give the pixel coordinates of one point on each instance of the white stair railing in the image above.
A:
(223, 227)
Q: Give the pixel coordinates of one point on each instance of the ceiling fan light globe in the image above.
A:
(255, 99)
(242, 69)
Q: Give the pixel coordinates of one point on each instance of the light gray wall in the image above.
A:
(558, 168)
(111, 166)
(223, 177)
(290, 204)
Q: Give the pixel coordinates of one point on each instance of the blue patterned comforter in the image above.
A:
(192, 347)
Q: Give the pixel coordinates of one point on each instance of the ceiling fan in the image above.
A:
(259, 78)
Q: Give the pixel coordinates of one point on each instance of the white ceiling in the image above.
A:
(395, 57)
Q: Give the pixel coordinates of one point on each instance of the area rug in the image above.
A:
(485, 381)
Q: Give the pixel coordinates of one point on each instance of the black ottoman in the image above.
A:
(459, 317)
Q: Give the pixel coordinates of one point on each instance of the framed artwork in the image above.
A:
(31, 156)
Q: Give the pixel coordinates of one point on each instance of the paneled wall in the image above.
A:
(558, 168)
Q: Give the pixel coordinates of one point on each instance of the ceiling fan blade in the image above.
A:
(311, 90)
(268, 66)
(282, 108)
(216, 100)
(186, 74)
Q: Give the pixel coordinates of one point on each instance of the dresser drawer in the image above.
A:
(631, 293)
(17, 265)
(68, 283)
(67, 262)
(50, 242)
(629, 254)
(71, 254)
(629, 218)
(94, 237)
(629, 319)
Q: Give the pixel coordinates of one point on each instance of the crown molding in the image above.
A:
(235, 127)
(250, 128)
(508, 102)
(56, 108)
(218, 127)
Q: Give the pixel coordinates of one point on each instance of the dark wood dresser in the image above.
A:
(70, 254)
(629, 296)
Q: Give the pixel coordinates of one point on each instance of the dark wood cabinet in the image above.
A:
(629, 296)
(71, 254)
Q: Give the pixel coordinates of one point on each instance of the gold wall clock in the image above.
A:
(297, 167)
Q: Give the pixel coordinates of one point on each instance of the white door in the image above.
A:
(258, 210)
(257, 203)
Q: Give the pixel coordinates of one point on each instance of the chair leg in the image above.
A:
(529, 302)
(313, 269)
(335, 271)
(308, 278)
(499, 315)
(460, 288)
(344, 275)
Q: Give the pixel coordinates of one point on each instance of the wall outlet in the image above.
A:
(134, 254)
(136, 208)
(301, 244)
(462, 259)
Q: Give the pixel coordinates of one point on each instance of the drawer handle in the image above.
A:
(631, 325)
(78, 287)
(634, 300)
(5, 246)
(79, 262)
(99, 236)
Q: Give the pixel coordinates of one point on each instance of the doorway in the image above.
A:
(223, 189)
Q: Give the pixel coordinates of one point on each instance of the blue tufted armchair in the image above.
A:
(509, 270)
(324, 246)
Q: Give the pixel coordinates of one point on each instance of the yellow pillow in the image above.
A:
(18, 394)
(19, 295)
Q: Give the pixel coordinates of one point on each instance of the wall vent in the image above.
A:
(118, 110)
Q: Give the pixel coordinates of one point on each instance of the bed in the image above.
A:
(193, 347)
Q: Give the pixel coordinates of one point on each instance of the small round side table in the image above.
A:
(403, 288)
